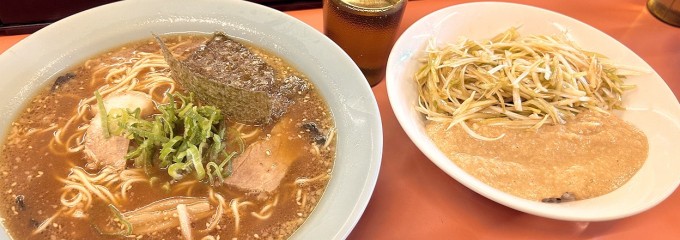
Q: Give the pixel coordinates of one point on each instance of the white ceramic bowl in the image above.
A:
(36, 60)
(652, 107)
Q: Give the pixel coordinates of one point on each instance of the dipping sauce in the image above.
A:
(591, 155)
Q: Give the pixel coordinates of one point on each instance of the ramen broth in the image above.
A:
(36, 161)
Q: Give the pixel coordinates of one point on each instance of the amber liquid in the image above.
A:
(666, 10)
(366, 30)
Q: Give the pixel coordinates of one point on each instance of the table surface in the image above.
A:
(413, 199)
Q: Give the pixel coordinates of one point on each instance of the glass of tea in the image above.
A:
(366, 30)
(665, 10)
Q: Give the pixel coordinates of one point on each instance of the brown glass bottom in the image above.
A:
(374, 76)
(667, 14)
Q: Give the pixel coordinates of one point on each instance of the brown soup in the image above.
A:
(50, 193)
(591, 155)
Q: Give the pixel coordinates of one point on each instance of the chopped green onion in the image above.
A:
(153, 180)
(197, 162)
(167, 149)
(229, 163)
(175, 170)
(211, 168)
(216, 147)
(197, 147)
(102, 114)
(166, 187)
(116, 213)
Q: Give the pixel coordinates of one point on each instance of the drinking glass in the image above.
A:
(665, 10)
(366, 30)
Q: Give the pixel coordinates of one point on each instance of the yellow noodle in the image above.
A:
(329, 138)
(302, 181)
(234, 209)
(261, 217)
(218, 213)
(47, 222)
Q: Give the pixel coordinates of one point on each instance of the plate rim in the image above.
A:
(442, 162)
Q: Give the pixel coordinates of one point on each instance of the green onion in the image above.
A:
(116, 213)
(230, 167)
(168, 148)
(175, 170)
(166, 187)
(515, 81)
(197, 162)
(102, 114)
(198, 147)
(216, 147)
(153, 180)
(227, 160)
(238, 139)
(211, 168)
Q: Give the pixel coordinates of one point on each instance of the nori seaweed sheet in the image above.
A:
(226, 74)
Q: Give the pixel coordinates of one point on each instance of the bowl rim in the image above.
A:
(352, 95)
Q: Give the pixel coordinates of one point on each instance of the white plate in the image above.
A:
(652, 107)
(35, 61)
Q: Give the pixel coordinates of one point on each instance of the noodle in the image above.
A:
(316, 150)
(298, 196)
(218, 213)
(261, 217)
(234, 209)
(251, 134)
(85, 186)
(127, 185)
(265, 208)
(32, 131)
(303, 181)
(46, 223)
(184, 221)
(276, 200)
(329, 138)
(265, 212)
(304, 200)
(78, 198)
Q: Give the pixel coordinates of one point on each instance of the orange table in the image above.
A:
(415, 200)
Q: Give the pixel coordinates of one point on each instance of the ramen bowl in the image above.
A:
(36, 61)
(651, 107)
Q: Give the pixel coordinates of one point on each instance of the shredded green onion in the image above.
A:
(515, 81)
(118, 215)
(175, 170)
(102, 114)
(166, 187)
(128, 226)
(168, 148)
(215, 171)
(196, 160)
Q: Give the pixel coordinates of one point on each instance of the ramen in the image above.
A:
(120, 147)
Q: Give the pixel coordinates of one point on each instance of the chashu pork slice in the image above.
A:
(101, 151)
(264, 163)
